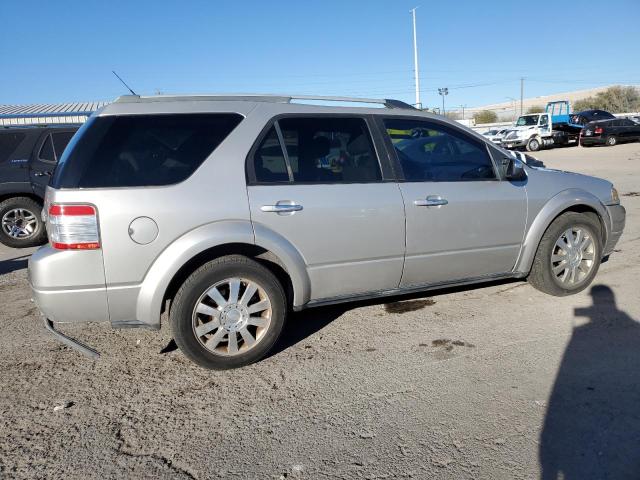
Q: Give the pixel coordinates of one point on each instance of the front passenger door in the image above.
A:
(462, 220)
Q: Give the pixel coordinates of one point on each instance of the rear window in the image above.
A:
(141, 150)
(9, 142)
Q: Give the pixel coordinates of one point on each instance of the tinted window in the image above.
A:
(434, 152)
(330, 150)
(46, 151)
(60, 141)
(269, 162)
(9, 143)
(141, 150)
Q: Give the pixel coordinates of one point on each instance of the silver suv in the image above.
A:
(231, 211)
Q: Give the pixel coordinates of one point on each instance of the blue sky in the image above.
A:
(57, 51)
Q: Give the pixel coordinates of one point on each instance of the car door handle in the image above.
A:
(282, 207)
(43, 174)
(431, 201)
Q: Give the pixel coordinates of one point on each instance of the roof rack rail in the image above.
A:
(387, 103)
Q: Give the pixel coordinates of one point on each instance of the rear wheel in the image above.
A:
(568, 255)
(228, 313)
(21, 224)
(611, 141)
(533, 145)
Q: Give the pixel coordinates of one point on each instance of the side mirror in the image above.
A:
(515, 170)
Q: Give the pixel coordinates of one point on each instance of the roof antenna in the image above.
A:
(123, 82)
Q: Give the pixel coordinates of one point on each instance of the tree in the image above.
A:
(616, 99)
(535, 109)
(485, 116)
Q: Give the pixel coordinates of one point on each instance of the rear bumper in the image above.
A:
(618, 215)
(592, 140)
(68, 286)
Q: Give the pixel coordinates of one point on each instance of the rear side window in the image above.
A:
(269, 162)
(431, 152)
(9, 143)
(46, 151)
(141, 150)
(60, 141)
(318, 150)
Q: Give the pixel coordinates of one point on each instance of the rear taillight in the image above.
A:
(598, 131)
(73, 227)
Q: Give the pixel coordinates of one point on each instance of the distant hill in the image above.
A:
(505, 110)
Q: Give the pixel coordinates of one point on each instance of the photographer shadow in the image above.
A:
(592, 426)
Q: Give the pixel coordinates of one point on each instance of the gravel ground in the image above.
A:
(493, 382)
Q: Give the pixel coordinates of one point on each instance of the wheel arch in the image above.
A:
(211, 241)
(572, 200)
(6, 195)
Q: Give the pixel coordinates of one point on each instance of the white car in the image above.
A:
(495, 134)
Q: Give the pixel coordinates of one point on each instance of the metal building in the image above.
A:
(47, 114)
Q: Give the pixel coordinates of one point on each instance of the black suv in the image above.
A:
(28, 157)
(609, 132)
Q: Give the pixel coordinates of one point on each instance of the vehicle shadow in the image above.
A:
(592, 425)
(305, 323)
(11, 265)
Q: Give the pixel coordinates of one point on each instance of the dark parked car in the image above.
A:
(28, 157)
(586, 116)
(610, 132)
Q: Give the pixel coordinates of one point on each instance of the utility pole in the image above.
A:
(415, 60)
(521, 95)
(443, 91)
(462, 107)
(515, 111)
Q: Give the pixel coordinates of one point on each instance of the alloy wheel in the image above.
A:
(19, 223)
(573, 256)
(232, 316)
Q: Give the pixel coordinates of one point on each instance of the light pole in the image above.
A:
(443, 91)
(415, 60)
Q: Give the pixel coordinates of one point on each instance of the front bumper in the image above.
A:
(618, 215)
(514, 143)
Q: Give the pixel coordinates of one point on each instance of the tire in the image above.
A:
(533, 145)
(611, 141)
(21, 223)
(542, 274)
(195, 307)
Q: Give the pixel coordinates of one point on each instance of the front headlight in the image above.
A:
(615, 199)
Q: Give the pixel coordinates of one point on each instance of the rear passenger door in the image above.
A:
(463, 221)
(317, 181)
(45, 158)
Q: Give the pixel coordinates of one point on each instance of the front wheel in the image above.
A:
(533, 145)
(20, 223)
(568, 255)
(228, 313)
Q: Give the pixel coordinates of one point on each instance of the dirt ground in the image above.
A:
(497, 382)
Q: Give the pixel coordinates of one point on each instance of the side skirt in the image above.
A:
(402, 291)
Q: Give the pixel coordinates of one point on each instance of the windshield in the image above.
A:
(527, 120)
